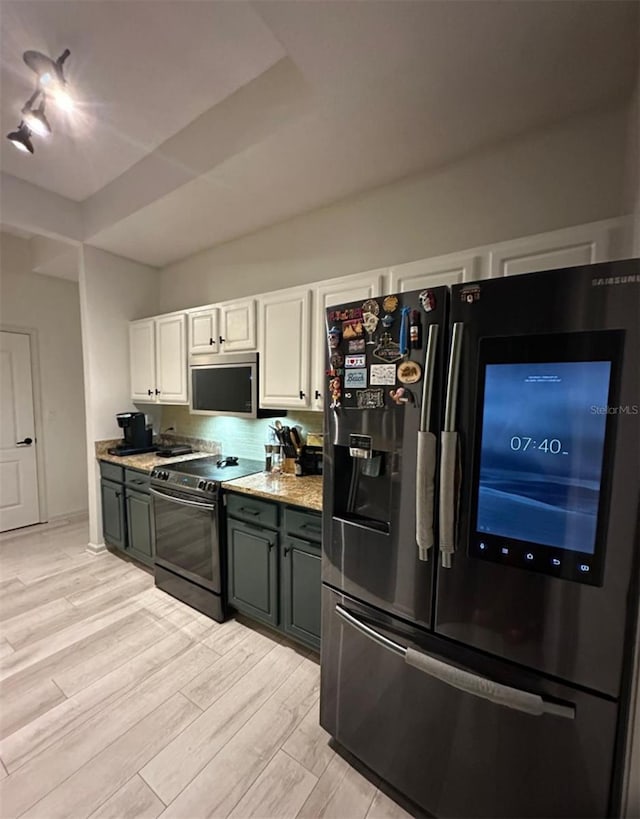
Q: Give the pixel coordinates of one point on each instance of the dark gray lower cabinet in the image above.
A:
(273, 575)
(113, 514)
(301, 587)
(253, 570)
(139, 525)
(126, 511)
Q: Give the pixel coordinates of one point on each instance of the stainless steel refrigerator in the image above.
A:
(480, 541)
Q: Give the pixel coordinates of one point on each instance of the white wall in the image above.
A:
(113, 291)
(52, 307)
(571, 174)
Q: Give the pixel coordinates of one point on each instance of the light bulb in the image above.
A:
(63, 99)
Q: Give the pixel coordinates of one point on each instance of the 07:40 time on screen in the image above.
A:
(551, 445)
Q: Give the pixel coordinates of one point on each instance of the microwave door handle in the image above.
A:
(504, 695)
(450, 452)
(426, 462)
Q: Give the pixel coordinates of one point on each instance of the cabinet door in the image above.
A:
(301, 587)
(139, 526)
(113, 514)
(285, 333)
(203, 331)
(142, 360)
(171, 359)
(336, 291)
(238, 326)
(583, 244)
(441, 270)
(253, 570)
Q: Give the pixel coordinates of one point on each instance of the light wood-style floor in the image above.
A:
(119, 701)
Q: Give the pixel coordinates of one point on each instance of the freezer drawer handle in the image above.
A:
(426, 463)
(449, 452)
(474, 684)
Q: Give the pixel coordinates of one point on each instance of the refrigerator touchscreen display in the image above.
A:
(540, 464)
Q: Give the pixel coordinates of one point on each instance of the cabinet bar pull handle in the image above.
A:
(221, 340)
(301, 395)
(149, 392)
(212, 341)
(451, 675)
(318, 395)
(254, 512)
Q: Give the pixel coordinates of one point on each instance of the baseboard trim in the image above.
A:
(96, 548)
(71, 517)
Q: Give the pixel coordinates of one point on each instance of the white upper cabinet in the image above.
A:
(171, 359)
(237, 326)
(583, 244)
(285, 334)
(203, 330)
(360, 287)
(142, 346)
(440, 270)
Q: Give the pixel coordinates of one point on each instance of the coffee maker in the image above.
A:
(137, 436)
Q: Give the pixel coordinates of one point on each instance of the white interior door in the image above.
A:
(18, 471)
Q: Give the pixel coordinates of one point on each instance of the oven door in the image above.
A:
(186, 537)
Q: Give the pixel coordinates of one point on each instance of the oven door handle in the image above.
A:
(470, 683)
(173, 499)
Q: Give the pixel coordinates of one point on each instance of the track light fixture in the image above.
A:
(36, 120)
(22, 138)
(51, 84)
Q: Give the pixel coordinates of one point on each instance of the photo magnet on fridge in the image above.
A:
(356, 346)
(355, 378)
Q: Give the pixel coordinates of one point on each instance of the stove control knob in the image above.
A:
(164, 475)
(210, 486)
(202, 484)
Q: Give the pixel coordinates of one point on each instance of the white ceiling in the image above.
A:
(204, 121)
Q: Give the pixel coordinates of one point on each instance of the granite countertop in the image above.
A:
(145, 462)
(305, 492)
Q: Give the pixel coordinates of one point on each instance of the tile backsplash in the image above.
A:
(238, 436)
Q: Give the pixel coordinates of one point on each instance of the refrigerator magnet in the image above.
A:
(352, 328)
(427, 300)
(409, 372)
(371, 306)
(354, 361)
(373, 398)
(400, 396)
(334, 338)
(387, 321)
(357, 345)
(355, 378)
(335, 390)
(390, 304)
(382, 375)
(387, 350)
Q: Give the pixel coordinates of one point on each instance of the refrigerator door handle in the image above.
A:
(426, 463)
(474, 684)
(449, 452)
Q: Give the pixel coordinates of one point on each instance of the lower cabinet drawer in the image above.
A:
(137, 480)
(303, 524)
(257, 512)
(112, 472)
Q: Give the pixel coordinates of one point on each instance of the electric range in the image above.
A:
(190, 531)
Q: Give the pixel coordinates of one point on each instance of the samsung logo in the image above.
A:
(633, 279)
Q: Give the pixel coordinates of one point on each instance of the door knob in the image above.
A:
(26, 442)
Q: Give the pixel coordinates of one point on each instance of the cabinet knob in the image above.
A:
(221, 340)
(318, 395)
(301, 395)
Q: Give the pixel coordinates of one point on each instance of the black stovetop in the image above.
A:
(216, 468)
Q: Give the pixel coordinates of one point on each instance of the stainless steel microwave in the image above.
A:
(224, 385)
